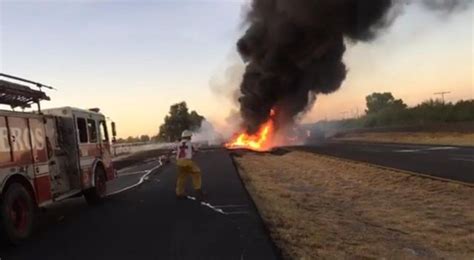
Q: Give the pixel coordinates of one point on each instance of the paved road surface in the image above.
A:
(149, 223)
(450, 162)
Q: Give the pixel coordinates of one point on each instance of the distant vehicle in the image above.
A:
(47, 156)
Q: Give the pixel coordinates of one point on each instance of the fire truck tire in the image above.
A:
(17, 214)
(96, 194)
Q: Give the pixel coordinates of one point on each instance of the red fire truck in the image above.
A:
(47, 156)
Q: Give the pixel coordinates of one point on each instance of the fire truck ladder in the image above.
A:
(17, 95)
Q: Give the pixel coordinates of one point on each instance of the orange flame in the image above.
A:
(259, 141)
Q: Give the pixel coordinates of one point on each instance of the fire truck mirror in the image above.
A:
(114, 132)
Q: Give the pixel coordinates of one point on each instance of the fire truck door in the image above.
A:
(94, 137)
(58, 160)
(105, 149)
(103, 137)
(100, 141)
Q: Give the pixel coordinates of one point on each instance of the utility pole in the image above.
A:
(355, 112)
(442, 93)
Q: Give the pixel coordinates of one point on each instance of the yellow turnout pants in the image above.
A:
(187, 167)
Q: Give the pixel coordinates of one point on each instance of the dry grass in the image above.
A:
(320, 207)
(437, 138)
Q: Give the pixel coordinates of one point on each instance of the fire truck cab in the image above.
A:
(47, 156)
(80, 143)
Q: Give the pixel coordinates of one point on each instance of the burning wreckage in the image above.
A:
(293, 51)
(267, 137)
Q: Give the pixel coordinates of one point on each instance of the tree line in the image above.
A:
(178, 119)
(383, 110)
(136, 139)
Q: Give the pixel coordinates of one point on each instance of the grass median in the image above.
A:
(322, 207)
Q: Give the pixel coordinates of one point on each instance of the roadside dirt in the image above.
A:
(319, 207)
(441, 138)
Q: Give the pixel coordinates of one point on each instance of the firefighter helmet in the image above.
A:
(186, 134)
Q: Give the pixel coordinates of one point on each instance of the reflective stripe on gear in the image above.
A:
(185, 168)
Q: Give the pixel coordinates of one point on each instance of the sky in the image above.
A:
(134, 59)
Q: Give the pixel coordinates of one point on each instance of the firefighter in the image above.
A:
(187, 167)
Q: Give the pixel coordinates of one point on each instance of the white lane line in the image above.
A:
(407, 151)
(213, 208)
(191, 197)
(142, 179)
(462, 159)
(231, 206)
(130, 173)
(205, 204)
(420, 149)
(442, 148)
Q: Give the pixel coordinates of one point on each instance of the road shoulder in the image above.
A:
(318, 207)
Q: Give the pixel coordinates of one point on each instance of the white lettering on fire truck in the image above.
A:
(20, 139)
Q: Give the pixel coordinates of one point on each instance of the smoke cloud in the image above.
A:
(293, 50)
(207, 135)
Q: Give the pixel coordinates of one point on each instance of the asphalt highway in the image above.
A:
(148, 222)
(449, 162)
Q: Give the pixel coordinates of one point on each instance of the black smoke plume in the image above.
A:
(293, 50)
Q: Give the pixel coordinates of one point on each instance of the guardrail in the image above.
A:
(128, 148)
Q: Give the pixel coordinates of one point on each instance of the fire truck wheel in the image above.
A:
(17, 214)
(96, 194)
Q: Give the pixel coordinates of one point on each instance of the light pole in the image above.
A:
(442, 93)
